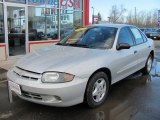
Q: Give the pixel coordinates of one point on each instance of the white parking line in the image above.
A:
(6, 115)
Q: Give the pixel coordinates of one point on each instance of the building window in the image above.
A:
(2, 35)
(66, 23)
(42, 23)
(44, 20)
(16, 1)
(70, 16)
(70, 20)
(78, 19)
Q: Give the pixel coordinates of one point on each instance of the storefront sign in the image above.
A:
(16, 1)
(63, 3)
(70, 3)
(42, 2)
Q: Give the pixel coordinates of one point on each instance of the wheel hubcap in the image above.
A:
(99, 90)
(149, 64)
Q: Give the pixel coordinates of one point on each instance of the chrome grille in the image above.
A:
(26, 74)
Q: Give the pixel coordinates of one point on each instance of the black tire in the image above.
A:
(89, 99)
(145, 69)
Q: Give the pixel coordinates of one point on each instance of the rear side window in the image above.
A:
(137, 35)
(125, 37)
(144, 37)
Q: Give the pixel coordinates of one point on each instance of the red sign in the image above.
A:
(70, 3)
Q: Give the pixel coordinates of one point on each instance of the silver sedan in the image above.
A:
(83, 66)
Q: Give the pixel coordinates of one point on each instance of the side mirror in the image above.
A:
(123, 46)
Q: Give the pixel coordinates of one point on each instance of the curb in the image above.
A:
(3, 74)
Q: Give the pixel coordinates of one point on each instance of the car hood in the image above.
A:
(56, 58)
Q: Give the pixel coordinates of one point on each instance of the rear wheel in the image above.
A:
(97, 90)
(148, 66)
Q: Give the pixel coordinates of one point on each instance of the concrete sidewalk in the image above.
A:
(6, 65)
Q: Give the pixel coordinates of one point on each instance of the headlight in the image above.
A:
(55, 77)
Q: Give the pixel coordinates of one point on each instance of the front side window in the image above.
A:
(94, 37)
(125, 37)
(137, 35)
(2, 39)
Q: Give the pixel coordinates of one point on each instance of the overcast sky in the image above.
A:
(104, 6)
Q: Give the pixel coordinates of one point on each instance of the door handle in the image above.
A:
(135, 51)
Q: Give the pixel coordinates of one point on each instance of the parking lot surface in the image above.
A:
(135, 98)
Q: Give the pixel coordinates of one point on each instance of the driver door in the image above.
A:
(126, 59)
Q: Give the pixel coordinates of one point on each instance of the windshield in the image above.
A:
(93, 37)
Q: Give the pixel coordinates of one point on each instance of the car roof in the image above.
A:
(110, 25)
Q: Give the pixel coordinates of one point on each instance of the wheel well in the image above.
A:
(152, 53)
(105, 70)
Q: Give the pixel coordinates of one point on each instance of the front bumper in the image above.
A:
(59, 94)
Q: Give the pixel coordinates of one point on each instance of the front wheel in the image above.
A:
(148, 66)
(97, 90)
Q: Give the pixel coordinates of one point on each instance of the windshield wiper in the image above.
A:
(79, 45)
(74, 45)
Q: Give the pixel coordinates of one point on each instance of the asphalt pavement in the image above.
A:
(135, 98)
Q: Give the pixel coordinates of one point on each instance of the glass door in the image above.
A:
(2, 33)
(16, 30)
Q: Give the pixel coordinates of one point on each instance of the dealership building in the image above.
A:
(27, 25)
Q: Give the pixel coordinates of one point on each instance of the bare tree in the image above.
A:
(139, 18)
(129, 18)
(116, 14)
(143, 18)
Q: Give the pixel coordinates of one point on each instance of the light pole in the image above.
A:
(135, 15)
(109, 19)
(93, 15)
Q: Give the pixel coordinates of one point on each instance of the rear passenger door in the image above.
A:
(141, 46)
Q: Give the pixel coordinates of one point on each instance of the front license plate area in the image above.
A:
(14, 87)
